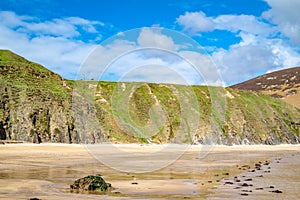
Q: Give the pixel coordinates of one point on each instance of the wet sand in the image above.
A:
(45, 171)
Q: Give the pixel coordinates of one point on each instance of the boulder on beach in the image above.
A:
(91, 183)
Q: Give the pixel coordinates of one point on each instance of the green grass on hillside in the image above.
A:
(32, 78)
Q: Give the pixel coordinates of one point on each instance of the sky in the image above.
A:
(197, 42)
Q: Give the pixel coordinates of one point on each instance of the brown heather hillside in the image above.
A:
(283, 84)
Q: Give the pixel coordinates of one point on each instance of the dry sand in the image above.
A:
(45, 171)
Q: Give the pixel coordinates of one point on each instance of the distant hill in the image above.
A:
(37, 105)
(283, 84)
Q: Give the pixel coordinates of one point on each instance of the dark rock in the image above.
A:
(244, 194)
(134, 183)
(246, 190)
(34, 198)
(228, 182)
(259, 188)
(248, 179)
(91, 183)
(257, 165)
(226, 173)
(271, 186)
(276, 191)
(245, 185)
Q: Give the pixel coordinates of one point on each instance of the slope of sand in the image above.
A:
(199, 172)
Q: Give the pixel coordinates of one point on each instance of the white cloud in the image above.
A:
(11, 20)
(100, 59)
(286, 15)
(52, 43)
(207, 71)
(125, 60)
(154, 38)
(254, 56)
(194, 22)
(135, 67)
(57, 27)
(283, 17)
(241, 62)
(245, 23)
(67, 27)
(261, 48)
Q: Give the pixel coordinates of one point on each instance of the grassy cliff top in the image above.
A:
(31, 78)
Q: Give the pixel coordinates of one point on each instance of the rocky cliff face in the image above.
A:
(34, 104)
(220, 116)
(37, 105)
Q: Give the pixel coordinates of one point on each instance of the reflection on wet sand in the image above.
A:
(45, 171)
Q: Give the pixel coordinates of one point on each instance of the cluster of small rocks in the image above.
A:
(245, 183)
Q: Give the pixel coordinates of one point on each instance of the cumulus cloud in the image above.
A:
(53, 43)
(194, 22)
(240, 63)
(135, 67)
(263, 46)
(286, 15)
(245, 23)
(153, 38)
(253, 56)
(126, 60)
(208, 72)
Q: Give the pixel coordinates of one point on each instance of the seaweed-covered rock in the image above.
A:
(91, 183)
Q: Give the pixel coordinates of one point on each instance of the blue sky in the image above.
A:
(243, 38)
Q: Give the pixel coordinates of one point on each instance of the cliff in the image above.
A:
(37, 105)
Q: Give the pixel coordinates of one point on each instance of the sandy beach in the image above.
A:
(45, 171)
